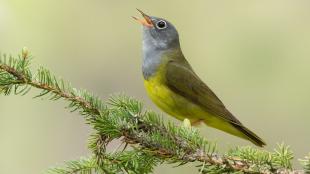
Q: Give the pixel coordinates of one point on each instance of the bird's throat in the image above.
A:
(151, 63)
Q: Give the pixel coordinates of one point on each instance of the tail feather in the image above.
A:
(236, 129)
(249, 135)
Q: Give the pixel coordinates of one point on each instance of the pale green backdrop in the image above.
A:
(255, 55)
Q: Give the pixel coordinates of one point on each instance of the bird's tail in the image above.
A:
(236, 129)
(249, 135)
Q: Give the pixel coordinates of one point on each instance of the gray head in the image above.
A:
(158, 32)
(159, 37)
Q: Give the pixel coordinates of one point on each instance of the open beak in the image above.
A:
(146, 21)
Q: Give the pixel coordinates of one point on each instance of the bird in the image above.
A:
(175, 88)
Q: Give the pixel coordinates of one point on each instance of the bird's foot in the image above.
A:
(197, 122)
(187, 123)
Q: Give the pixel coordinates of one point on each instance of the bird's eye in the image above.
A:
(161, 24)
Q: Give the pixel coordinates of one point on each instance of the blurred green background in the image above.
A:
(255, 55)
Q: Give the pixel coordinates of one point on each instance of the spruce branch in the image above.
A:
(84, 165)
(306, 164)
(152, 140)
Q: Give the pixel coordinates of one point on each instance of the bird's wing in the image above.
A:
(182, 80)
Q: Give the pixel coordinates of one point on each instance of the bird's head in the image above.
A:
(158, 32)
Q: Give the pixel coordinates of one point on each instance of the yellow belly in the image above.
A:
(172, 103)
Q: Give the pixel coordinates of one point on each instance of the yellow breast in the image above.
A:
(160, 94)
(169, 101)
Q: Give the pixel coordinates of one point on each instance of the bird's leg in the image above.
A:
(187, 123)
(197, 122)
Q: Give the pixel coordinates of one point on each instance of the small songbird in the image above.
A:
(174, 87)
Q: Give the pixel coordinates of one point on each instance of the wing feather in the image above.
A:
(182, 80)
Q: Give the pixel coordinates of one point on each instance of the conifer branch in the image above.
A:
(152, 140)
(79, 166)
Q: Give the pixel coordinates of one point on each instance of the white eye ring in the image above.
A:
(161, 24)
